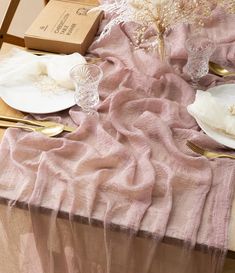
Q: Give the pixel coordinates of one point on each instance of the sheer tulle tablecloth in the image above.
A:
(125, 171)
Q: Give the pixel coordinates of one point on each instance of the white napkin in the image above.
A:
(21, 67)
(213, 112)
(58, 68)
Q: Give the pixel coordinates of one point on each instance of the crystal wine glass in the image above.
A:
(199, 49)
(86, 78)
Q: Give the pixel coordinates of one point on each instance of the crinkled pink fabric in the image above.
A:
(128, 164)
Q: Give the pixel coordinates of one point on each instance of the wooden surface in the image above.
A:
(7, 20)
(7, 111)
(229, 266)
(25, 14)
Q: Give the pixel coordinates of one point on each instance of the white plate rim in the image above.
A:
(54, 108)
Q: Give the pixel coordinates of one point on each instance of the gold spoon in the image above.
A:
(219, 70)
(48, 131)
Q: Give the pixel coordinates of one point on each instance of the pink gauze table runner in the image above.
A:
(128, 165)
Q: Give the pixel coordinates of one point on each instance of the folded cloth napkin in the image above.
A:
(20, 67)
(213, 112)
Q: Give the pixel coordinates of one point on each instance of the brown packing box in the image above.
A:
(63, 27)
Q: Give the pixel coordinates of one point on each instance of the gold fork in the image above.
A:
(207, 153)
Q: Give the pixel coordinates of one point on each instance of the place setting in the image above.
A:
(47, 84)
(213, 108)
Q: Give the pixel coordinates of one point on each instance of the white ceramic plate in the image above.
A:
(31, 99)
(226, 93)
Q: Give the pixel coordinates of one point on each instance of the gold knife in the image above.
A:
(43, 123)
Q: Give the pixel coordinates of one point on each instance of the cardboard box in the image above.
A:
(63, 27)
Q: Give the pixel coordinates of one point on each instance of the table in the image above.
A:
(96, 231)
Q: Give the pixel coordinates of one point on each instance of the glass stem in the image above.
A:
(195, 84)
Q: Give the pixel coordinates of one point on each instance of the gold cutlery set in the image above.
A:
(48, 128)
